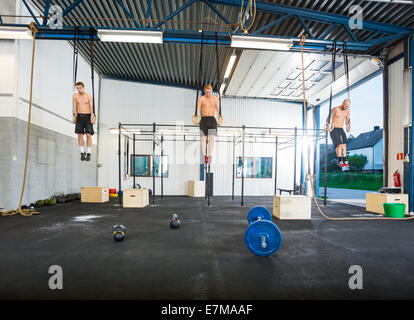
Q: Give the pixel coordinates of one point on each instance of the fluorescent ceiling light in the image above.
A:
(230, 65)
(130, 131)
(261, 43)
(130, 36)
(222, 87)
(20, 33)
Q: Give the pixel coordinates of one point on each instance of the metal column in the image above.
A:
(242, 186)
(302, 158)
(317, 155)
(276, 147)
(206, 173)
(162, 168)
(234, 168)
(385, 120)
(133, 159)
(153, 164)
(294, 161)
(326, 169)
(119, 164)
(411, 195)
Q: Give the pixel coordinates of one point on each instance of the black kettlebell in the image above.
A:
(175, 222)
(118, 231)
(150, 192)
(138, 186)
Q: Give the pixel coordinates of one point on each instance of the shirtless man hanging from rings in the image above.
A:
(334, 124)
(84, 118)
(209, 104)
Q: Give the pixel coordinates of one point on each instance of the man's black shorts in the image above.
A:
(83, 124)
(208, 126)
(338, 136)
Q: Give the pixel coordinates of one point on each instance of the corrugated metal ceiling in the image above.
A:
(179, 63)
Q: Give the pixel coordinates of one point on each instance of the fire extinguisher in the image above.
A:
(397, 180)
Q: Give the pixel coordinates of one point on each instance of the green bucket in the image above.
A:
(394, 210)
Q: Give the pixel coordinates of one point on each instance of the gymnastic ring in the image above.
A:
(196, 119)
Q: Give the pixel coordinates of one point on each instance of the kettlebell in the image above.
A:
(175, 222)
(118, 231)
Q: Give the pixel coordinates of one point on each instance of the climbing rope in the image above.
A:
(301, 43)
(26, 212)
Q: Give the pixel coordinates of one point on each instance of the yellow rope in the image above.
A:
(301, 43)
(253, 14)
(26, 212)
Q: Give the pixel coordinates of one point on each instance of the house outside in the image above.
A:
(369, 144)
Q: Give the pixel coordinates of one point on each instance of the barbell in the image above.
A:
(262, 236)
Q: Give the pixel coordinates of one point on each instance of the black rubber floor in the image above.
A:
(205, 259)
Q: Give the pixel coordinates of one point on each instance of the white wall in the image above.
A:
(8, 78)
(130, 102)
(51, 119)
(399, 112)
(52, 80)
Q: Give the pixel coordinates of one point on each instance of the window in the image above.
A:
(307, 63)
(319, 65)
(255, 167)
(143, 166)
(287, 93)
(319, 77)
(329, 69)
(308, 85)
(308, 75)
(297, 93)
(284, 84)
(294, 75)
(277, 92)
(296, 85)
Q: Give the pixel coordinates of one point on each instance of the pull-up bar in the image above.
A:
(127, 131)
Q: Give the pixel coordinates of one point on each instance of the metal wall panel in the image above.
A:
(396, 117)
(132, 102)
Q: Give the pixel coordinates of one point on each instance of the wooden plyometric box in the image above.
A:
(196, 188)
(135, 198)
(292, 207)
(94, 194)
(375, 201)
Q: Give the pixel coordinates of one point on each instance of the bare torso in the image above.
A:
(209, 106)
(82, 103)
(339, 116)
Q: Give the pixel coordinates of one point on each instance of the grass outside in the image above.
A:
(353, 180)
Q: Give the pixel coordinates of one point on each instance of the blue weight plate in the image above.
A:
(271, 233)
(257, 212)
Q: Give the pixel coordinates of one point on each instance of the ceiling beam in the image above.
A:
(314, 15)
